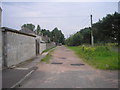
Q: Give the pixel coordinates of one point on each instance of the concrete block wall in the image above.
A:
(42, 47)
(0, 39)
(0, 49)
(50, 45)
(0, 16)
(19, 48)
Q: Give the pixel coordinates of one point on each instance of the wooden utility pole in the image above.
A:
(92, 39)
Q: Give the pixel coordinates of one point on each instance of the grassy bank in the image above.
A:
(48, 49)
(101, 57)
(48, 56)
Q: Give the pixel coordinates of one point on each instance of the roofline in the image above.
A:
(15, 31)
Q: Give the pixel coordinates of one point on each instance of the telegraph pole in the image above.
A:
(92, 39)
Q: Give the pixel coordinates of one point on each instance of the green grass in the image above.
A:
(100, 57)
(48, 56)
(48, 49)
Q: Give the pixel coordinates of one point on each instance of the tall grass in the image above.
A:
(101, 57)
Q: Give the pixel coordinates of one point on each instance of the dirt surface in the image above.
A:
(64, 75)
(66, 57)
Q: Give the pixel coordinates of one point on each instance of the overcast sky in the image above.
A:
(69, 17)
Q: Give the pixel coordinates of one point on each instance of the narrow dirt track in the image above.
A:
(65, 75)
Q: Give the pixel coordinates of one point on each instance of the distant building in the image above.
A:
(26, 30)
(0, 16)
(45, 38)
(119, 7)
(42, 38)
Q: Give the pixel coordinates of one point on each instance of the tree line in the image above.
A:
(55, 35)
(104, 31)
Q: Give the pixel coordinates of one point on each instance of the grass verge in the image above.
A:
(100, 57)
(48, 56)
(48, 49)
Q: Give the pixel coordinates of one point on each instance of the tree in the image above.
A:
(75, 40)
(104, 31)
(57, 36)
(86, 35)
(29, 26)
(46, 32)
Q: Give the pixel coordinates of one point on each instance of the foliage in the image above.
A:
(101, 57)
(86, 35)
(46, 32)
(29, 26)
(55, 35)
(74, 40)
(104, 31)
(48, 56)
(48, 49)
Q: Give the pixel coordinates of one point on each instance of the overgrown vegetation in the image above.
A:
(104, 31)
(101, 57)
(48, 56)
(48, 49)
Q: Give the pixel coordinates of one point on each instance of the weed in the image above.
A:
(101, 57)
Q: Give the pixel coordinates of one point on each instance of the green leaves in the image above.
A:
(77, 39)
(104, 31)
(29, 26)
(57, 36)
